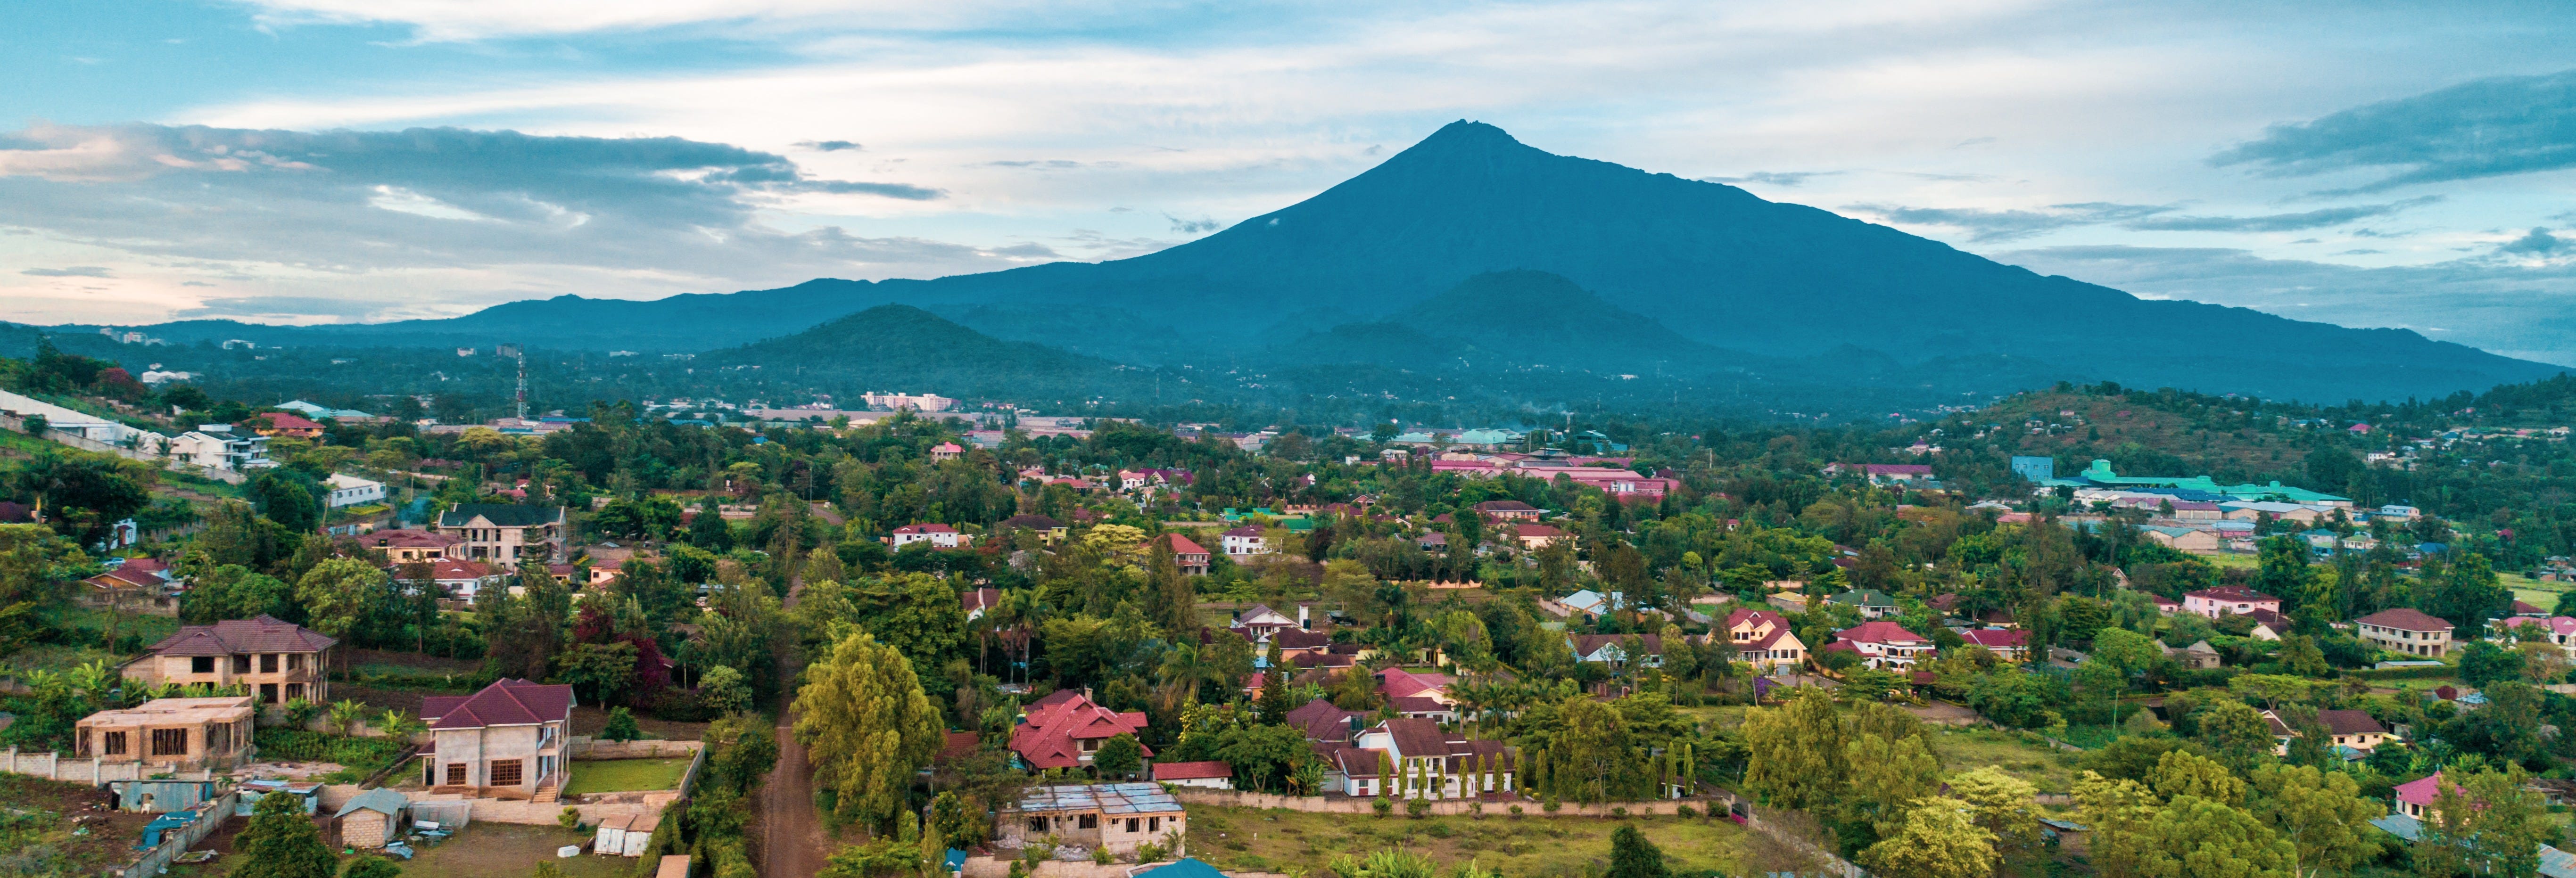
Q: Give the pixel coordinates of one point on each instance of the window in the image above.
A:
(455, 774)
(1153, 824)
(204, 664)
(1087, 821)
(241, 664)
(505, 772)
(113, 744)
(294, 661)
(169, 742)
(1132, 823)
(268, 663)
(1037, 824)
(294, 691)
(268, 693)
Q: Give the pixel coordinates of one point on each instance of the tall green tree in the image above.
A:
(1938, 839)
(867, 726)
(1632, 856)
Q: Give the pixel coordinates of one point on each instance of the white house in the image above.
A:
(1209, 775)
(63, 420)
(218, 446)
(1245, 540)
(939, 536)
(1883, 644)
(2237, 599)
(353, 491)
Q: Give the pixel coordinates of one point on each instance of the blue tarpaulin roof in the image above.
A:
(1188, 867)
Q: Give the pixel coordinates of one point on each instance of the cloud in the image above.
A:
(1049, 164)
(2520, 307)
(1996, 226)
(2538, 243)
(74, 271)
(2279, 222)
(1200, 226)
(905, 191)
(2483, 128)
(1775, 178)
(827, 145)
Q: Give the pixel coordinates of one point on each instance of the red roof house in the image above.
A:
(1065, 728)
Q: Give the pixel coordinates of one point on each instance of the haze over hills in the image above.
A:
(1688, 275)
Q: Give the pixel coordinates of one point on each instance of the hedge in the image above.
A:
(362, 754)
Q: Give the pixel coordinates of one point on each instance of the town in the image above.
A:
(925, 636)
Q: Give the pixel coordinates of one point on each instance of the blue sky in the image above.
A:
(335, 160)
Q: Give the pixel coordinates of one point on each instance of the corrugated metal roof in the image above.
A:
(1107, 798)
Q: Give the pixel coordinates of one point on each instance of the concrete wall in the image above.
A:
(588, 748)
(177, 842)
(1350, 805)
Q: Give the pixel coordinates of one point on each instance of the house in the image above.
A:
(406, 545)
(1884, 645)
(1443, 766)
(2210, 602)
(1324, 723)
(1400, 683)
(279, 662)
(939, 536)
(2524, 610)
(1113, 817)
(1591, 605)
(1897, 473)
(1245, 541)
(451, 578)
(2009, 644)
(1210, 775)
(1048, 529)
(979, 601)
(2166, 606)
(1872, 603)
(2557, 630)
(1065, 728)
(219, 446)
(347, 490)
(372, 818)
(946, 451)
(1537, 536)
(1612, 649)
(2405, 630)
(135, 584)
(2354, 729)
(505, 534)
(1191, 557)
(2199, 656)
(1508, 510)
(1419, 707)
(1762, 637)
(2183, 539)
(171, 733)
(273, 424)
(507, 741)
(2415, 797)
(1257, 622)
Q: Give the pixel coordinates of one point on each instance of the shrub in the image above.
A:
(1516, 810)
(570, 818)
(1148, 852)
(1381, 806)
(1619, 811)
(1685, 811)
(621, 725)
(1416, 807)
(1550, 805)
(1102, 856)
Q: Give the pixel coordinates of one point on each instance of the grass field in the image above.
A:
(1242, 839)
(623, 775)
(2052, 771)
(505, 850)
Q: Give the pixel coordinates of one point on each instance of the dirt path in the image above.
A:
(792, 841)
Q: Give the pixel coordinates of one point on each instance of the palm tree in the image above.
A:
(1184, 668)
(347, 714)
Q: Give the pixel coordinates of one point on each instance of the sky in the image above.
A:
(305, 161)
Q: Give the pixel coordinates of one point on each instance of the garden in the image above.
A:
(1279, 840)
(624, 775)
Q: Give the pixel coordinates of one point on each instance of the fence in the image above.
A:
(1367, 805)
(52, 766)
(210, 814)
(88, 444)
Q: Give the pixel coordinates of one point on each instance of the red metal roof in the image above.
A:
(264, 634)
(1879, 632)
(2405, 619)
(1192, 770)
(1051, 736)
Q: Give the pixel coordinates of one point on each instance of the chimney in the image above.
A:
(1304, 623)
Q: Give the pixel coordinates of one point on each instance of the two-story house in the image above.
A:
(1064, 730)
(505, 535)
(508, 741)
(1762, 637)
(1427, 762)
(219, 446)
(404, 545)
(1245, 541)
(1187, 554)
(2405, 630)
(278, 661)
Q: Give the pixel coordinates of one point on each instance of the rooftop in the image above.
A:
(177, 711)
(1106, 798)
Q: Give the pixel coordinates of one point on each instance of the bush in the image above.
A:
(621, 725)
(1550, 805)
(1381, 806)
(1619, 811)
(1516, 810)
(1685, 811)
(358, 754)
(1415, 808)
(1101, 856)
(570, 818)
(1148, 852)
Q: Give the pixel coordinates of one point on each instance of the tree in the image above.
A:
(232, 591)
(1275, 701)
(288, 497)
(2322, 813)
(1793, 749)
(340, 593)
(724, 690)
(1632, 856)
(867, 726)
(2238, 734)
(2000, 804)
(621, 726)
(2467, 594)
(2180, 773)
(281, 842)
(2483, 664)
(2200, 838)
(1118, 757)
(598, 670)
(1937, 840)
(2486, 824)
(1890, 776)
(372, 867)
(84, 495)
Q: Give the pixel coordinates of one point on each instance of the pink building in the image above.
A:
(2236, 599)
(1884, 644)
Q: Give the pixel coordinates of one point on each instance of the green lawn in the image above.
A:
(623, 775)
(1241, 839)
(2052, 771)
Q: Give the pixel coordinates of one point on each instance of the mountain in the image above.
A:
(1712, 265)
(903, 348)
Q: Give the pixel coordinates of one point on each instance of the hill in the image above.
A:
(900, 347)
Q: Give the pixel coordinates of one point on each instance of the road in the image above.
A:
(792, 841)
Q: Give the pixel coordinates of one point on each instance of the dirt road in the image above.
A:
(792, 841)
